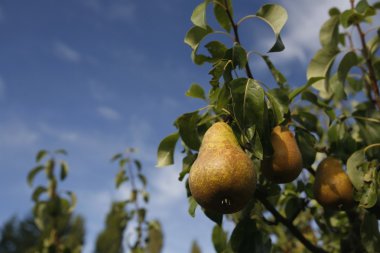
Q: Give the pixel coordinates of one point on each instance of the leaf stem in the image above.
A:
(371, 146)
(293, 229)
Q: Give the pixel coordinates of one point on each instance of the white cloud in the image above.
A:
(17, 134)
(108, 113)
(301, 35)
(67, 53)
(2, 88)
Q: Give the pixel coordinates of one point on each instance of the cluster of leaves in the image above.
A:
(337, 114)
(53, 209)
(147, 236)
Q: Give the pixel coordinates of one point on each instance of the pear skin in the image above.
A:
(286, 163)
(332, 187)
(222, 178)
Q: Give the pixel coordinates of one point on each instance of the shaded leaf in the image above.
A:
(40, 155)
(165, 152)
(37, 192)
(188, 129)
(306, 143)
(280, 103)
(142, 179)
(187, 162)
(33, 173)
(215, 217)
(73, 201)
(278, 76)
(64, 170)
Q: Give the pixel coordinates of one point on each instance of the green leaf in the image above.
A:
(33, 173)
(348, 61)
(187, 162)
(199, 15)
(280, 103)
(155, 237)
(165, 152)
(192, 206)
(369, 232)
(216, 49)
(319, 67)
(49, 168)
(120, 178)
(141, 213)
(306, 143)
(40, 155)
(238, 55)
(116, 157)
(248, 102)
(196, 91)
(60, 151)
(353, 170)
(193, 38)
(219, 239)
(304, 87)
(73, 200)
(278, 76)
(336, 88)
(138, 165)
(242, 238)
(369, 198)
(64, 170)
(306, 119)
(275, 16)
(329, 33)
(188, 129)
(37, 192)
(142, 179)
(221, 14)
(349, 17)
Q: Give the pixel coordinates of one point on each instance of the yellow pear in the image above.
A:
(332, 187)
(286, 163)
(222, 178)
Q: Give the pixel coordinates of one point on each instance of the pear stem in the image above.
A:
(289, 224)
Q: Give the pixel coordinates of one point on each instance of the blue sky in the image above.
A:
(96, 76)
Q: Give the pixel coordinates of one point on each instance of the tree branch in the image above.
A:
(294, 230)
(237, 39)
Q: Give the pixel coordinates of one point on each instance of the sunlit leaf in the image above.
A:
(219, 239)
(221, 14)
(40, 155)
(329, 33)
(192, 206)
(195, 91)
(165, 152)
(199, 15)
(37, 192)
(353, 168)
(275, 16)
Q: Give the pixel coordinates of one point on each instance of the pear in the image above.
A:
(286, 163)
(332, 187)
(222, 179)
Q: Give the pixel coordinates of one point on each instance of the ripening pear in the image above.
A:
(222, 178)
(332, 187)
(286, 163)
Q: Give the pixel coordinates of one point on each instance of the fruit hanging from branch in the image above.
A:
(222, 178)
(286, 163)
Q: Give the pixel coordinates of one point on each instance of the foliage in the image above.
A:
(24, 236)
(335, 113)
(53, 209)
(147, 235)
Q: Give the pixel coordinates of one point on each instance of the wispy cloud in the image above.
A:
(122, 11)
(301, 35)
(67, 53)
(17, 134)
(108, 113)
(115, 10)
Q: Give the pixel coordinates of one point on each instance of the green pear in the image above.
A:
(332, 187)
(222, 178)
